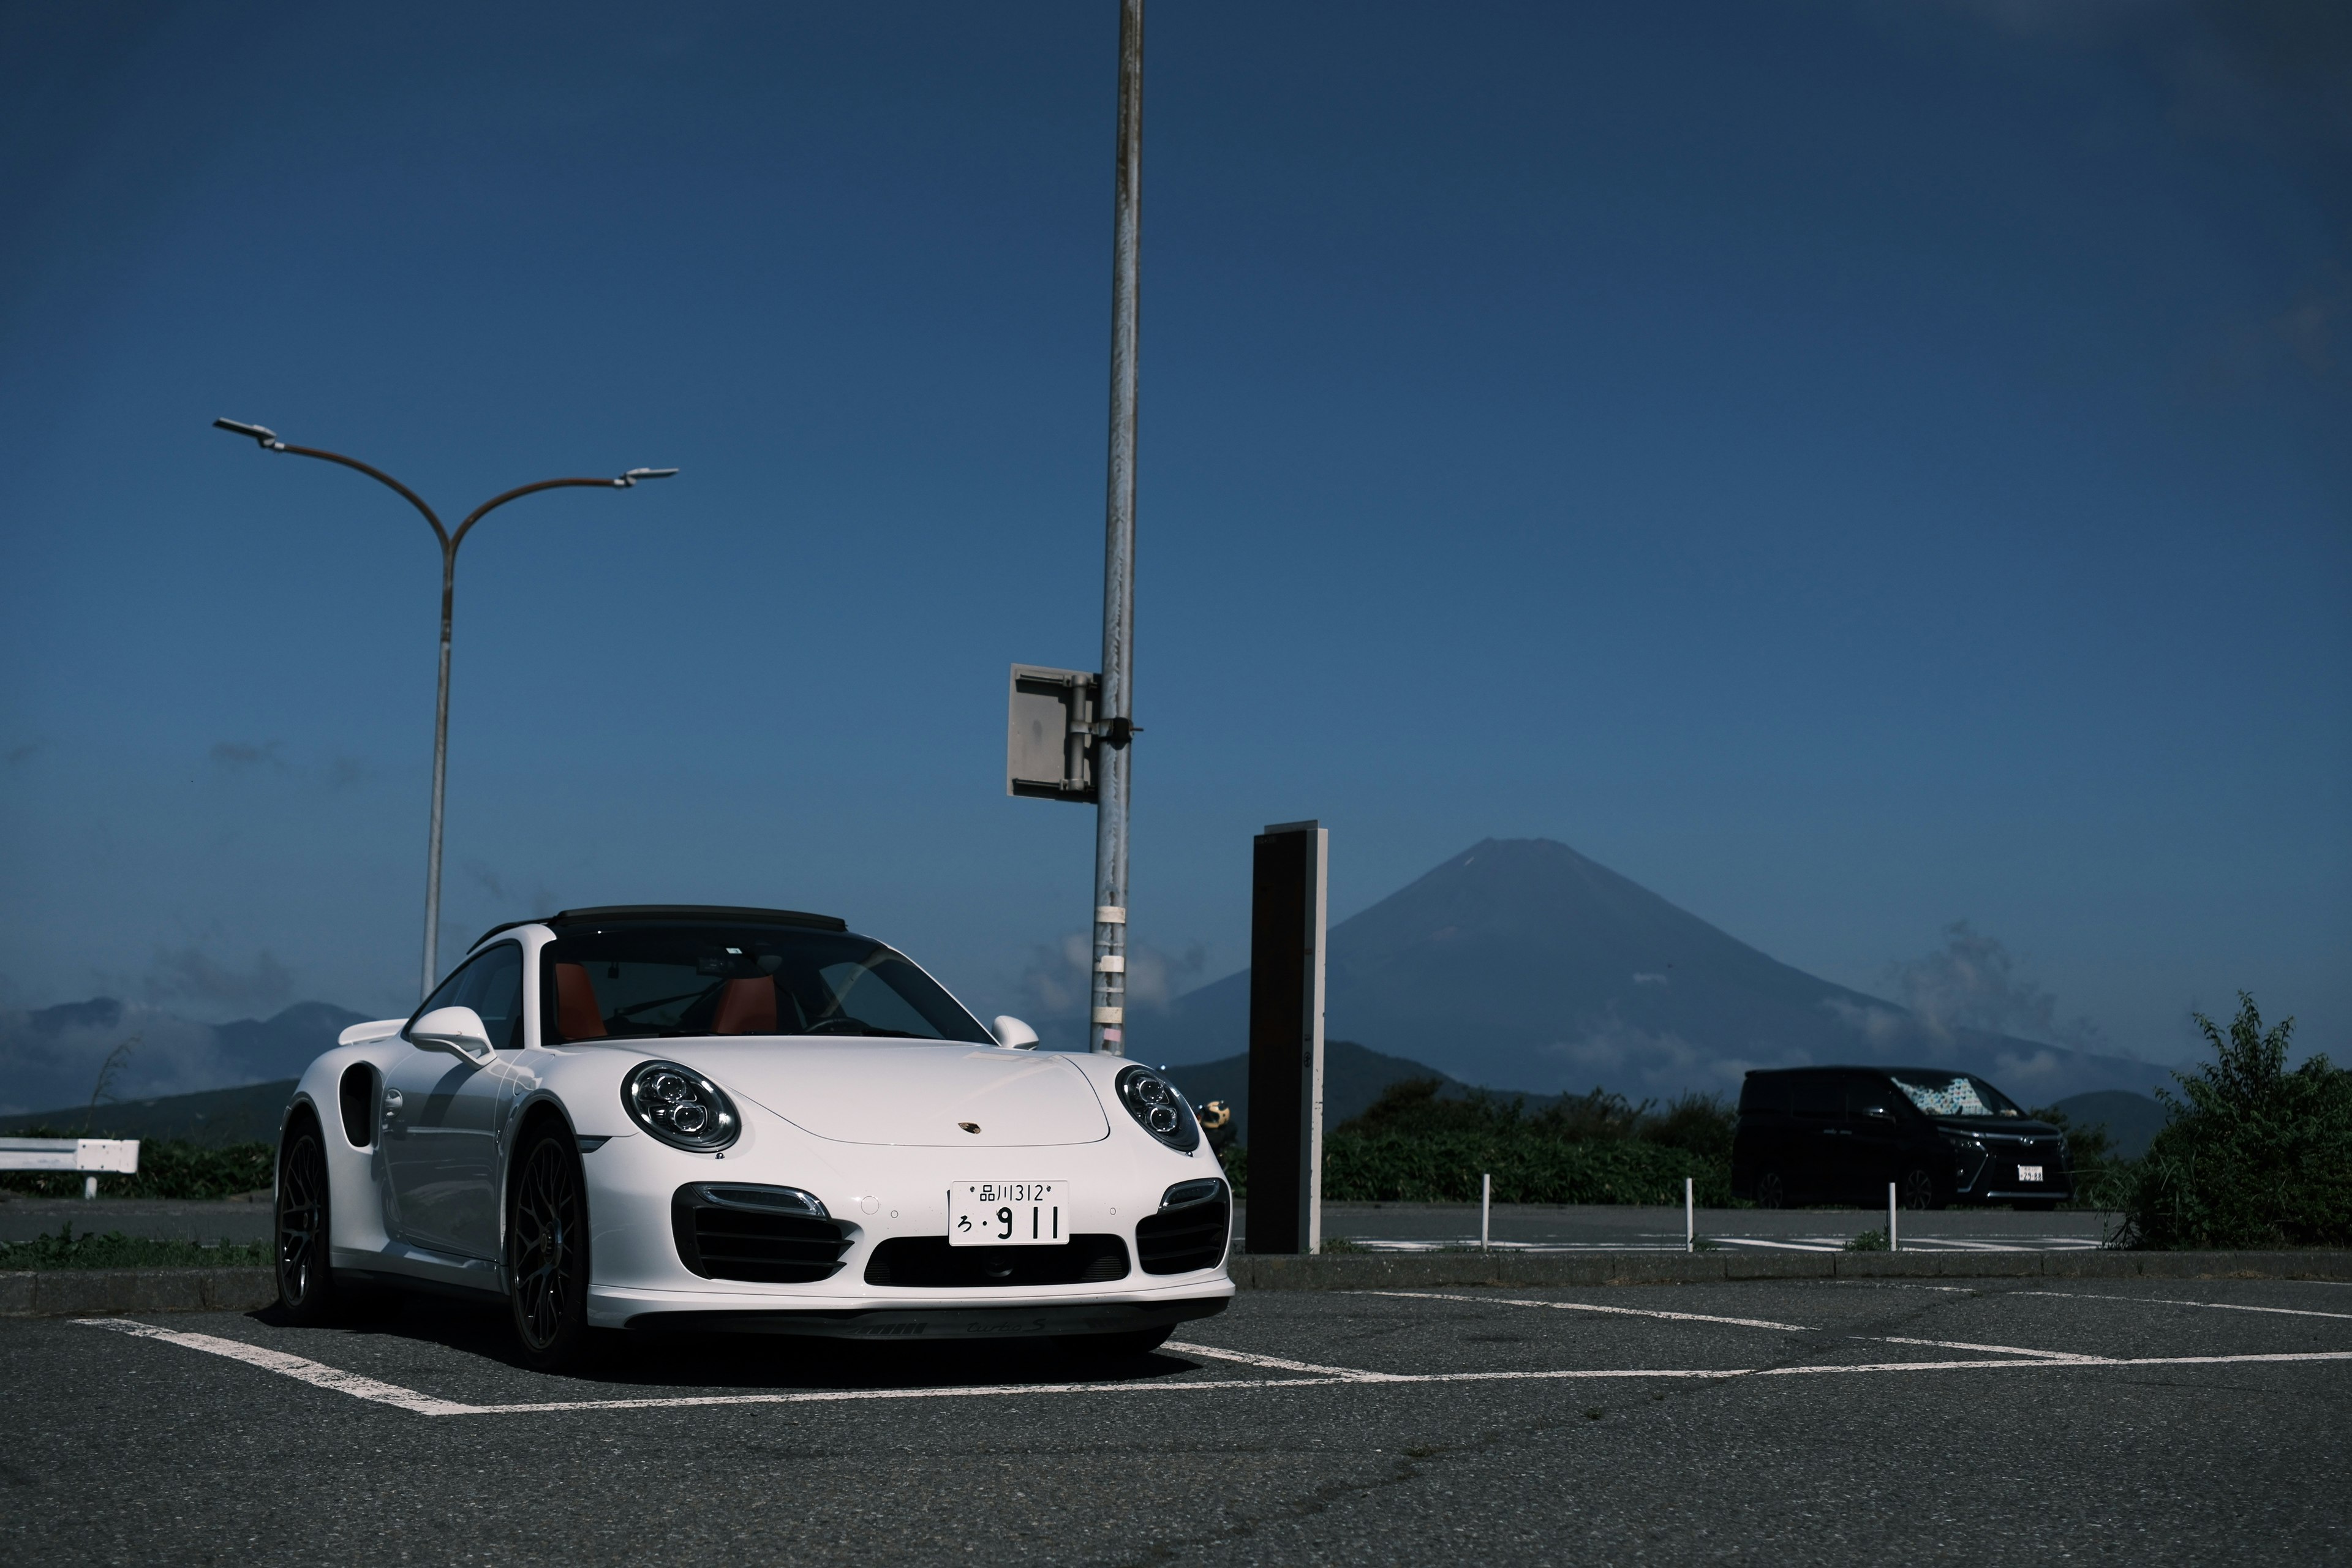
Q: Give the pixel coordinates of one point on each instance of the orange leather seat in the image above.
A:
(746, 1007)
(577, 1017)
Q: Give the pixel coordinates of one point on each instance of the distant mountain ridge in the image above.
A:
(51, 1056)
(248, 1113)
(1521, 964)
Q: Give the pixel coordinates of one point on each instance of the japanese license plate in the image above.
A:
(2029, 1172)
(1007, 1214)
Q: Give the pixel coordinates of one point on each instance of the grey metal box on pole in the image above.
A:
(1048, 740)
(1289, 882)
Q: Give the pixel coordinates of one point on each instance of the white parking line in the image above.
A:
(2168, 1301)
(1276, 1363)
(320, 1375)
(1589, 1307)
(1826, 1245)
(1965, 1345)
(294, 1366)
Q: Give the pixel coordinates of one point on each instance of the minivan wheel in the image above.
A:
(1772, 1192)
(1917, 1189)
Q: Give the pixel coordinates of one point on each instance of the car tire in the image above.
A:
(301, 1235)
(547, 1251)
(1106, 1349)
(1771, 1192)
(1919, 1189)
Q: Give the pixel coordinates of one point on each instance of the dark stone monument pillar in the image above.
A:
(1288, 873)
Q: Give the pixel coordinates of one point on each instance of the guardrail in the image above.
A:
(116, 1156)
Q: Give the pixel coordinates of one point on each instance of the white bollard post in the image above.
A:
(88, 1188)
(1690, 1218)
(1485, 1207)
(1891, 1245)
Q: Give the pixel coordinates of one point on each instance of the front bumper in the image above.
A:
(1991, 1175)
(876, 1195)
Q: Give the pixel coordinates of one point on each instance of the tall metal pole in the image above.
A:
(449, 541)
(1114, 714)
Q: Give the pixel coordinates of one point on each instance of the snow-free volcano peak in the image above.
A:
(1522, 964)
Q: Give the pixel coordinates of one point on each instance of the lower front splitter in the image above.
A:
(940, 1322)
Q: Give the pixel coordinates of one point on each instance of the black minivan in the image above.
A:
(1842, 1134)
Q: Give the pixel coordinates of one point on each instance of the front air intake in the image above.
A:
(774, 1236)
(927, 1262)
(1187, 1236)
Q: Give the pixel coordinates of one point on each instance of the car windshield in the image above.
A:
(1954, 1094)
(660, 979)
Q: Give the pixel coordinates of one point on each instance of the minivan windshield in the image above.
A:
(1954, 1094)
(664, 978)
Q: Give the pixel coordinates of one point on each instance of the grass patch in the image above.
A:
(116, 1250)
(168, 1168)
(1868, 1241)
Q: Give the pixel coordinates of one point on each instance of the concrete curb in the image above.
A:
(73, 1292)
(1378, 1271)
(67, 1292)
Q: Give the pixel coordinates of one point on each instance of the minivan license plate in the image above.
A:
(2029, 1172)
(1006, 1214)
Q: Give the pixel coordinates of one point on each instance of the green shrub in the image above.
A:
(1414, 1145)
(168, 1168)
(116, 1250)
(1528, 1167)
(2254, 1155)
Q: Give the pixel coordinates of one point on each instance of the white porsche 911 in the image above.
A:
(681, 1117)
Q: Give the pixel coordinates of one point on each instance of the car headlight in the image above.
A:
(1157, 1109)
(681, 1107)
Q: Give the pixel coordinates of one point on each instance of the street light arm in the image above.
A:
(267, 440)
(624, 482)
(519, 492)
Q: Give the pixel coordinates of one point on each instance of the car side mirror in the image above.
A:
(457, 1030)
(1013, 1034)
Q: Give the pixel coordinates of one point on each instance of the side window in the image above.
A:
(1869, 1097)
(1763, 1094)
(495, 994)
(1819, 1096)
(491, 985)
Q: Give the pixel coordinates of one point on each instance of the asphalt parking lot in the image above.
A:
(1402, 1227)
(1753, 1423)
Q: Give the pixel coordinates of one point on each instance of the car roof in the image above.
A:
(733, 914)
(1840, 1066)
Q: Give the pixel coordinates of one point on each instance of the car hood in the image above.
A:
(908, 1092)
(1998, 1126)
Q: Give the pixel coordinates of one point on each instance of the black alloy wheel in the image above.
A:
(306, 1282)
(1772, 1192)
(547, 1252)
(1917, 1190)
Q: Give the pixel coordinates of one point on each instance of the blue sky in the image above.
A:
(1850, 468)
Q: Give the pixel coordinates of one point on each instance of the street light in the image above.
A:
(267, 440)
